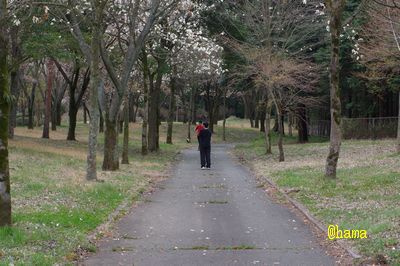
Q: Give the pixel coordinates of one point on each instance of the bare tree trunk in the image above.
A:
(30, 118)
(131, 98)
(171, 106)
(84, 115)
(302, 124)
(398, 128)
(158, 125)
(170, 121)
(125, 149)
(57, 105)
(191, 107)
(335, 8)
(5, 196)
(31, 104)
(145, 103)
(15, 79)
(145, 128)
(177, 113)
(111, 157)
(101, 126)
(189, 137)
(133, 106)
(248, 109)
(280, 139)
(194, 107)
(257, 119)
(23, 110)
(54, 116)
(120, 124)
(38, 114)
(224, 114)
(268, 145)
(262, 120)
(135, 111)
(95, 84)
(290, 121)
(216, 111)
(72, 114)
(279, 117)
(112, 118)
(214, 103)
(185, 114)
(153, 120)
(276, 126)
(59, 111)
(15, 87)
(47, 116)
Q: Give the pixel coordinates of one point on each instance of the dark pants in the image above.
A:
(205, 154)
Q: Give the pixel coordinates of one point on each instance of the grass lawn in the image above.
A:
(54, 208)
(364, 196)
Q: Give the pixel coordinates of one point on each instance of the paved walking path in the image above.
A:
(210, 217)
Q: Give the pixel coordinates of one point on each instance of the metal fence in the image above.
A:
(358, 128)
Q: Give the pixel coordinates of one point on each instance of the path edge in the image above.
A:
(125, 207)
(310, 217)
(300, 207)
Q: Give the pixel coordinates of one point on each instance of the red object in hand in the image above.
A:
(199, 128)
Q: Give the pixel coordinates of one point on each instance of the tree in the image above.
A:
(125, 150)
(30, 98)
(184, 33)
(271, 41)
(378, 48)
(302, 128)
(130, 51)
(19, 32)
(212, 94)
(82, 24)
(58, 93)
(15, 75)
(5, 99)
(74, 82)
(33, 36)
(171, 108)
(92, 55)
(275, 56)
(144, 60)
(160, 56)
(335, 8)
(267, 133)
(95, 83)
(49, 89)
(288, 83)
(224, 95)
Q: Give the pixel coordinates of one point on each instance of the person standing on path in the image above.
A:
(205, 147)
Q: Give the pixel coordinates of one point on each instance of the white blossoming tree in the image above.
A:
(130, 26)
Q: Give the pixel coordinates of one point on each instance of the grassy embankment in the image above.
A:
(54, 208)
(364, 196)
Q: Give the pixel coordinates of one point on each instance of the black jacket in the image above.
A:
(205, 138)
